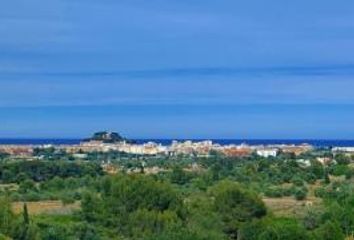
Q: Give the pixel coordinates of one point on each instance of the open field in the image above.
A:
(288, 206)
(9, 187)
(46, 207)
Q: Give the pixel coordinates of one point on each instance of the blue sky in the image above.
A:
(177, 68)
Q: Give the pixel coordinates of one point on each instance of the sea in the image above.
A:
(314, 142)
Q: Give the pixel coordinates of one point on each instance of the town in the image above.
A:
(109, 142)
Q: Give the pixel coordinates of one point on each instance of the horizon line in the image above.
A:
(195, 138)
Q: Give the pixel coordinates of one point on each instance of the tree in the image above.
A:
(7, 176)
(202, 217)
(85, 231)
(342, 159)
(25, 229)
(316, 168)
(134, 203)
(21, 177)
(26, 219)
(216, 169)
(298, 181)
(139, 191)
(90, 206)
(179, 233)
(144, 223)
(7, 217)
(67, 198)
(3, 155)
(27, 186)
(236, 205)
(179, 176)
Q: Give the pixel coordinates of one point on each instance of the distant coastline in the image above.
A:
(314, 142)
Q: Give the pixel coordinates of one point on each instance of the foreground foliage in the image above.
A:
(222, 199)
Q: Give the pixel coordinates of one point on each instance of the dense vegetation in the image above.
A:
(188, 198)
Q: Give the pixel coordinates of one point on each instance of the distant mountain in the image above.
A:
(107, 137)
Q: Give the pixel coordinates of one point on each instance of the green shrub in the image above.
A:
(67, 199)
(300, 194)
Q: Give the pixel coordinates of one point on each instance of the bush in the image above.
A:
(67, 199)
(3, 237)
(287, 192)
(300, 194)
(27, 186)
(274, 192)
(339, 170)
(274, 229)
(32, 197)
(349, 173)
(320, 192)
(342, 159)
(297, 181)
(329, 231)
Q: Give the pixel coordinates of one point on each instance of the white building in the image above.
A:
(267, 152)
(343, 149)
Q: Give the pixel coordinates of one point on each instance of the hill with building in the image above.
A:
(106, 137)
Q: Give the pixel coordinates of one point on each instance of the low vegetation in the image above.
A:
(188, 197)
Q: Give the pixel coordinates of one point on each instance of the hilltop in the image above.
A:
(106, 137)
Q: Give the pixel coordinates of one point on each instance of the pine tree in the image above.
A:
(26, 219)
(25, 229)
(326, 177)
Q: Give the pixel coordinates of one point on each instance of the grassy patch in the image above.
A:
(9, 187)
(47, 207)
(288, 206)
